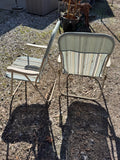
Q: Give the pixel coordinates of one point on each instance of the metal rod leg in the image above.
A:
(60, 109)
(25, 92)
(11, 83)
(67, 92)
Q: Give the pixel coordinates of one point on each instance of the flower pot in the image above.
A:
(69, 23)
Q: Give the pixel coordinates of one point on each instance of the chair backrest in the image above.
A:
(45, 58)
(85, 53)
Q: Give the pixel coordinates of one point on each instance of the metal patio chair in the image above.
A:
(85, 55)
(29, 69)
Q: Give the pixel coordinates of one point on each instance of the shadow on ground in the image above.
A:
(31, 124)
(11, 19)
(100, 10)
(87, 133)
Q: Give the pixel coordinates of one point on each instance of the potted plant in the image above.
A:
(69, 16)
(73, 12)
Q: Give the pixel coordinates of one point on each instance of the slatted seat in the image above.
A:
(29, 67)
(85, 54)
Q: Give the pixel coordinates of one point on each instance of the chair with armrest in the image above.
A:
(30, 69)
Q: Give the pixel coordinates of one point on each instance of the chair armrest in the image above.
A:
(22, 71)
(108, 63)
(36, 45)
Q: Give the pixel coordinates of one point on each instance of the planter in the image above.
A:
(41, 7)
(69, 24)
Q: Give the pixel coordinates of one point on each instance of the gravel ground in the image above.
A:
(80, 130)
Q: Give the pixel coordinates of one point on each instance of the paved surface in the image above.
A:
(9, 4)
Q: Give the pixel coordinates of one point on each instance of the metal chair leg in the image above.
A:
(67, 91)
(26, 93)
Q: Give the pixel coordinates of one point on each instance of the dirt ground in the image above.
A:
(69, 129)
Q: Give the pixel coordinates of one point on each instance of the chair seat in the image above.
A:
(25, 64)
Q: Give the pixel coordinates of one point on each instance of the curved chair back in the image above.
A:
(85, 53)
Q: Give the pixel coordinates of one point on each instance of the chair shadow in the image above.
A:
(115, 36)
(100, 10)
(87, 133)
(31, 124)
